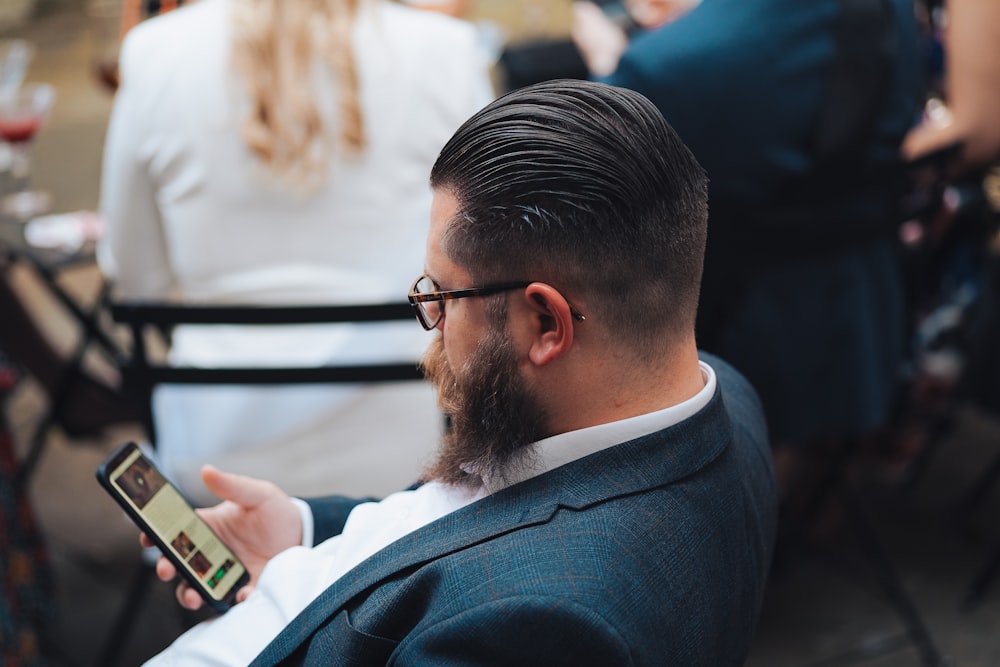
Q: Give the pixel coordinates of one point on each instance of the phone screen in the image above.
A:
(171, 522)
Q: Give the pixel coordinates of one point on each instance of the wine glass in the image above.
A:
(15, 54)
(23, 111)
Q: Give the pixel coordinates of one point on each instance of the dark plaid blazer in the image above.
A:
(651, 552)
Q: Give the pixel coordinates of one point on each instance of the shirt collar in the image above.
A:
(564, 448)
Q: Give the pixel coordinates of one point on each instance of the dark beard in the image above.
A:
(494, 417)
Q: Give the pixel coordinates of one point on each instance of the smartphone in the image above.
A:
(162, 512)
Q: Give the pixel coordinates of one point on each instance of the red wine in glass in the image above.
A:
(19, 128)
(23, 110)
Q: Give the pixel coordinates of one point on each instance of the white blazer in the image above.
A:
(191, 215)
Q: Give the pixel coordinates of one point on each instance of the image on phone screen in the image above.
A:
(171, 522)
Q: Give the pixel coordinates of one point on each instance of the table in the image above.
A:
(47, 264)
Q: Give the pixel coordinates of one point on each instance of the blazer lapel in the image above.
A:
(650, 461)
(472, 524)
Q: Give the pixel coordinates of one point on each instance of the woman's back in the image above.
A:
(177, 164)
(193, 213)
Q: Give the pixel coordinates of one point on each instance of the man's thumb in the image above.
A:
(240, 489)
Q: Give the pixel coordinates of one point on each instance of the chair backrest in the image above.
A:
(141, 372)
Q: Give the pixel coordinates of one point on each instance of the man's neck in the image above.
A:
(565, 447)
(606, 392)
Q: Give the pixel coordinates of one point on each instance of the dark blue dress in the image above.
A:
(816, 326)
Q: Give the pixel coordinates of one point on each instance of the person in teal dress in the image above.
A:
(803, 290)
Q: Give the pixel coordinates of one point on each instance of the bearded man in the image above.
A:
(603, 496)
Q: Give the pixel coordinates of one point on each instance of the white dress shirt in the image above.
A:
(293, 578)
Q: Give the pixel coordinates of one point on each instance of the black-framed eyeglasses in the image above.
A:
(428, 301)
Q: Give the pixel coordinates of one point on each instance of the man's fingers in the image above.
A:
(240, 489)
(244, 593)
(165, 569)
(189, 598)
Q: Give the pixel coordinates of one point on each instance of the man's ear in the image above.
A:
(552, 323)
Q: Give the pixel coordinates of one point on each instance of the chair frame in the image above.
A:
(47, 266)
(141, 373)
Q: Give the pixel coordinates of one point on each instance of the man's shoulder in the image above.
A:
(742, 403)
(731, 381)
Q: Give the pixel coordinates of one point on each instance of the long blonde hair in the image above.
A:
(275, 45)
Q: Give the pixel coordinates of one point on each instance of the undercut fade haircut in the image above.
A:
(587, 187)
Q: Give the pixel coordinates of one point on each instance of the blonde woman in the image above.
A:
(278, 151)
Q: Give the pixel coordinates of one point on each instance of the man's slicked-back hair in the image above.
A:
(587, 187)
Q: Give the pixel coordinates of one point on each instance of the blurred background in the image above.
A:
(821, 609)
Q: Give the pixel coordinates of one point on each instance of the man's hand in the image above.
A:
(256, 519)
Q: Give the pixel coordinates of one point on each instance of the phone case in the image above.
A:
(142, 491)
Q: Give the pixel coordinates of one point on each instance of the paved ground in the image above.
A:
(819, 608)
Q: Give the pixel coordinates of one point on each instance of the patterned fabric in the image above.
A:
(651, 552)
(26, 595)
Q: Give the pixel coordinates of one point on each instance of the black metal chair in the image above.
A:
(971, 333)
(48, 266)
(142, 372)
(981, 387)
(838, 488)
